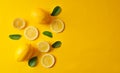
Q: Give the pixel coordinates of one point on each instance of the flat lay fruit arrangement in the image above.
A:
(60, 36)
(26, 52)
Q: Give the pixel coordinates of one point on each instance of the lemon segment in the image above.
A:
(19, 23)
(57, 25)
(47, 60)
(22, 52)
(43, 46)
(31, 33)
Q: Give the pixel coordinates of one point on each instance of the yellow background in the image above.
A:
(90, 42)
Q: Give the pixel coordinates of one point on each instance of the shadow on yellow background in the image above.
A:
(91, 40)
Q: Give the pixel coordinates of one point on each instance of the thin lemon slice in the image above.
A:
(47, 60)
(19, 23)
(57, 25)
(43, 46)
(31, 33)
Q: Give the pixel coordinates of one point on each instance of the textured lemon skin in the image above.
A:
(40, 16)
(24, 52)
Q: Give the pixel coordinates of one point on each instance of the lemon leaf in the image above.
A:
(47, 33)
(33, 61)
(56, 11)
(57, 44)
(15, 36)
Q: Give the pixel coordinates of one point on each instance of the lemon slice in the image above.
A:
(57, 25)
(47, 60)
(31, 33)
(19, 23)
(43, 46)
(22, 52)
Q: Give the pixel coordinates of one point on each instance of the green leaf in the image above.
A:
(33, 61)
(57, 44)
(56, 11)
(47, 33)
(15, 36)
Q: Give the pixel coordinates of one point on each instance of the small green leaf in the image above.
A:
(56, 11)
(15, 36)
(57, 44)
(33, 62)
(47, 33)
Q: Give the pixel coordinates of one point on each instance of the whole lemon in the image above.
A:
(24, 52)
(40, 16)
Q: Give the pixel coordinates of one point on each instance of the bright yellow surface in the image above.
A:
(91, 40)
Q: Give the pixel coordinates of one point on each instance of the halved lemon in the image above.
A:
(43, 46)
(31, 33)
(19, 23)
(57, 25)
(23, 52)
(47, 60)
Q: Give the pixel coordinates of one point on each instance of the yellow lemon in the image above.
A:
(57, 25)
(31, 33)
(30, 54)
(43, 46)
(47, 60)
(40, 16)
(24, 52)
(19, 23)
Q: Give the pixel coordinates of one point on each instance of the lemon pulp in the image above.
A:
(31, 33)
(57, 25)
(19, 23)
(47, 60)
(43, 46)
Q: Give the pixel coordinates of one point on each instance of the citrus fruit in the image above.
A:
(57, 25)
(31, 33)
(40, 16)
(43, 46)
(47, 60)
(19, 23)
(24, 52)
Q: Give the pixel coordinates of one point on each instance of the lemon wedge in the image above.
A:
(24, 52)
(57, 25)
(43, 46)
(47, 60)
(19, 23)
(31, 33)
(40, 16)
